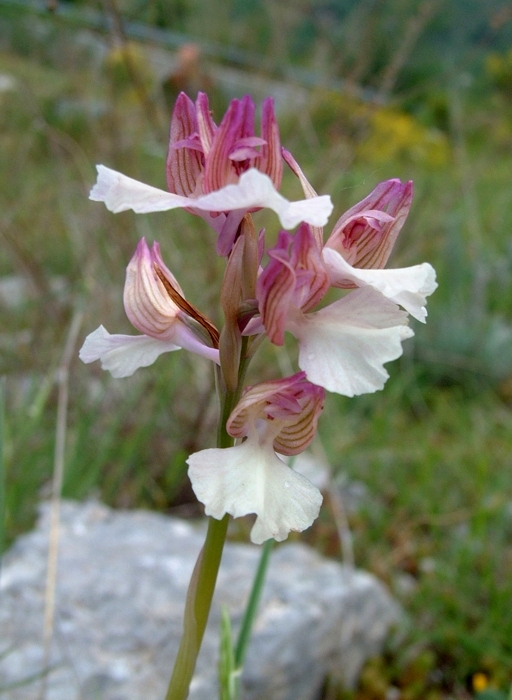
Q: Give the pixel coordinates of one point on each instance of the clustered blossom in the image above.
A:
(223, 174)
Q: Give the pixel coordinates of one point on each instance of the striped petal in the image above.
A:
(291, 407)
(184, 165)
(366, 233)
(271, 161)
(146, 302)
(294, 278)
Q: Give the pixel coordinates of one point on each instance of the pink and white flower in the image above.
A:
(216, 172)
(275, 416)
(344, 346)
(361, 243)
(164, 325)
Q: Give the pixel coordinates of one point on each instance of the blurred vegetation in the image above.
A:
(416, 89)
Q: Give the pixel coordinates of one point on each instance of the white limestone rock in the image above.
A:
(122, 581)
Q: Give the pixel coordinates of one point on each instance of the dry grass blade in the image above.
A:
(399, 59)
(2, 470)
(118, 36)
(62, 379)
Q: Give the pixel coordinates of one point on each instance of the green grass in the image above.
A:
(433, 449)
(436, 522)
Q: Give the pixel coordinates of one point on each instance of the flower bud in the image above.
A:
(146, 301)
(366, 233)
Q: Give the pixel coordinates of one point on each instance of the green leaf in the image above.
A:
(252, 604)
(227, 671)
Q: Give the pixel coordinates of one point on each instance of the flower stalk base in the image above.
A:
(197, 608)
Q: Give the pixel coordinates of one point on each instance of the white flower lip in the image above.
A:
(344, 346)
(406, 286)
(250, 478)
(122, 355)
(253, 190)
(278, 415)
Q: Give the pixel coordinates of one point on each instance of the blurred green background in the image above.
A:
(365, 90)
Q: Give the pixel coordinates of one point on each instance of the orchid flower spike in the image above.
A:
(217, 173)
(274, 416)
(361, 243)
(151, 310)
(344, 346)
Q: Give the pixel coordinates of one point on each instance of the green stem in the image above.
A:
(252, 605)
(197, 608)
(204, 576)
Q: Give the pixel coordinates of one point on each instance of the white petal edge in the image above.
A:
(250, 478)
(254, 189)
(344, 346)
(121, 355)
(407, 286)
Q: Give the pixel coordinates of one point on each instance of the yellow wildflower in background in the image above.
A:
(394, 134)
(479, 682)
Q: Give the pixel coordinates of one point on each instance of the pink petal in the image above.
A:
(227, 232)
(291, 406)
(207, 126)
(271, 161)
(146, 301)
(184, 165)
(294, 278)
(192, 142)
(250, 142)
(244, 153)
(236, 124)
(312, 277)
(358, 239)
(275, 290)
